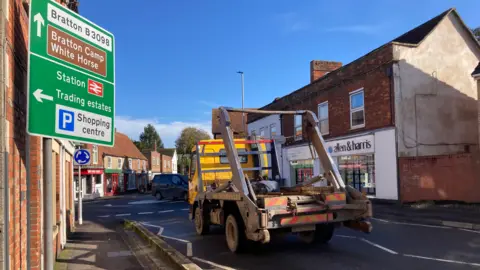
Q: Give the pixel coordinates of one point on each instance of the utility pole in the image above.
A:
(243, 99)
(47, 202)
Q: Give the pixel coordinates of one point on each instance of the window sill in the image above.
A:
(357, 127)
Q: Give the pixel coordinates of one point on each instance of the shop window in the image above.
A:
(357, 109)
(98, 179)
(109, 162)
(273, 130)
(298, 127)
(95, 154)
(241, 154)
(358, 171)
(323, 118)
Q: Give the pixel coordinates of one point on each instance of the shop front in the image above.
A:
(113, 182)
(142, 180)
(297, 164)
(130, 179)
(92, 183)
(367, 162)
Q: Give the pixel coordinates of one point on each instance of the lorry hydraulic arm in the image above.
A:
(313, 132)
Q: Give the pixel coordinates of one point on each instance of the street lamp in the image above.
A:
(243, 98)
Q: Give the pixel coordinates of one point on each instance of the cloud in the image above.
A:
(358, 29)
(291, 22)
(169, 132)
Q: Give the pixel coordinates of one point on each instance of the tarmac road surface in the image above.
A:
(391, 245)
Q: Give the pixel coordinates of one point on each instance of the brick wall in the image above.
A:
(166, 164)
(153, 165)
(320, 68)
(16, 104)
(440, 178)
(370, 72)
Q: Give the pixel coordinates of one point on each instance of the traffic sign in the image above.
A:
(71, 76)
(81, 157)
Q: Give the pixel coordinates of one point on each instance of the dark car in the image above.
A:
(170, 186)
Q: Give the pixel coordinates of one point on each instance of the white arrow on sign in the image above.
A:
(40, 22)
(39, 96)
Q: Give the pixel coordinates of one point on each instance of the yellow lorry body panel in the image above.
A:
(217, 162)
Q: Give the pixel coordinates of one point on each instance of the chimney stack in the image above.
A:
(320, 68)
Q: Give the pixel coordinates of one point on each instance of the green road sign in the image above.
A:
(71, 76)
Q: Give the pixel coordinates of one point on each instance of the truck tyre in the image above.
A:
(234, 234)
(158, 195)
(202, 225)
(323, 234)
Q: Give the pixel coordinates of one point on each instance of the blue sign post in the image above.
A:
(81, 157)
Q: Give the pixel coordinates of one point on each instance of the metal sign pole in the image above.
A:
(48, 203)
(80, 195)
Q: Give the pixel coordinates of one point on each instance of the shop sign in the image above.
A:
(301, 153)
(353, 146)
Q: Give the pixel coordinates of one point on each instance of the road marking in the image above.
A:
(379, 219)
(189, 244)
(105, 216)
(345, 236)
(410, 224)
(213, 264)
(160, 228)
(378, 246)
(467, 230)
(441, 260)
(145, 213)
(122, 215)
(146, 202)
(165, 211)
(185, 209)
(176, 202)
(107, 205)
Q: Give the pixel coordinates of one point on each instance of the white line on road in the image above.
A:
(160, 228)
(345, 236)
(467, 230)
(185, 209)
(165, 211)
(441, 260)
(410, 224)
(145, 213)
(176, 202)
(122, 215)
(213, 264)
(379, 219)
(378, 246)
(189, 244)
(104, 216)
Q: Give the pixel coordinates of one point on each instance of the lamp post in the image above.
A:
(243, 99)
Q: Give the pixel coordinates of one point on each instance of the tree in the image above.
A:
(148, 138)
(185, 143)
(476, 32)
(138, 144)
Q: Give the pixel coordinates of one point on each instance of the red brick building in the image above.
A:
(411, 98)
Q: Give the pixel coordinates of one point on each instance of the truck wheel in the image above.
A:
(234, 234)
(201, 225)
(323, 234)
(158, 195)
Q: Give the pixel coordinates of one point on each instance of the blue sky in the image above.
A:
(176, 60)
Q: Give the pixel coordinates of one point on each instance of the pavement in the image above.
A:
(449, 214)
(393, 244)
(97, 246)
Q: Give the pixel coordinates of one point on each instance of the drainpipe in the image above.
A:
(62, 195)
(4, 200)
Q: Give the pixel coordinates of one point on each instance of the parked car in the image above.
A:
(170, 186)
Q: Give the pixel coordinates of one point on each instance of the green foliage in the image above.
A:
(185, 143)
(148, 138)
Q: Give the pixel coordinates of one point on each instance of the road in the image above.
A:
(391, 245)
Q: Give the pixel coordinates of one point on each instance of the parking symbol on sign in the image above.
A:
(65, 121)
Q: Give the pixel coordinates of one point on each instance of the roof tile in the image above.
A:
(123, 147)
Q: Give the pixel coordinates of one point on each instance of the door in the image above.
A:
(165, 186)
(178, 188)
